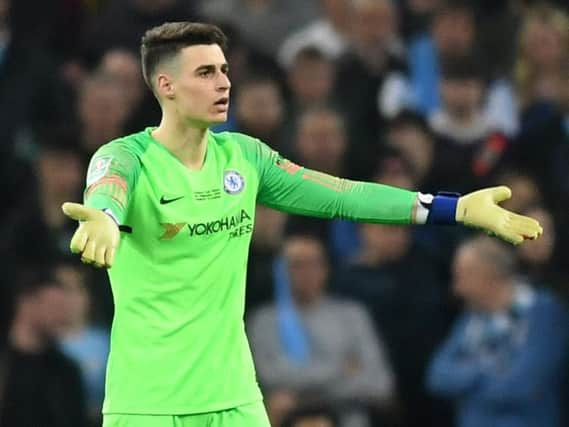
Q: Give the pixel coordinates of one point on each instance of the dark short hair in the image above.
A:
(167, 40)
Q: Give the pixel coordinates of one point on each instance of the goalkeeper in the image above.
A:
(181, 200)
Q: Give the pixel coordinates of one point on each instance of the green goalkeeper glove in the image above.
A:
(97, 236)
(480, 209)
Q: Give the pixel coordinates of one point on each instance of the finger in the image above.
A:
(511, 237)
(78, 242)
(110, 257)
(89, 252)
(100, 257)
(76, 211)
(528, 227)
(499, 194)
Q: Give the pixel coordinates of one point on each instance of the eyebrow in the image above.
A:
(211, 67)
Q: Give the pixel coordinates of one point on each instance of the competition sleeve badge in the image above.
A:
(233, 182)
(98, 169)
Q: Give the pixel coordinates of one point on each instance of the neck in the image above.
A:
(187, 142)
(24, 337)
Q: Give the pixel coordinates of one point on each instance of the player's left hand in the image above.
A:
(480, 209)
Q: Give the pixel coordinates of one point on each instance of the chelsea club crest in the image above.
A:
(233, 182)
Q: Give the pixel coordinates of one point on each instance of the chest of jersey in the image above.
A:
(175, 211)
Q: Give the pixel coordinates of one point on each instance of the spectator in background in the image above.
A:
(503, 363)
(399, 283)
(264, 24)
(310, 78)
(39, 219)
(81, 340)
(267, 237)
(331, 356)
(321, 141)
(31, 99)
(541, 263)
(527, 192)
(260, 111)
(375, 53)
(123, 22)
(409, 133)
(328, 33)
(103, 109)
(541, 68)
(453, 35)
(467, 150)
(42, 387)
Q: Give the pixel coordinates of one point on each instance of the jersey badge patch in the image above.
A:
(98, 169)
(233, 182)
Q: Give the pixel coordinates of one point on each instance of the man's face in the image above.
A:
(307, 268)
(49, 310)
(198, 84)
(453, 33)
(321, 140)
(260, 107)
(461, 96)
(472, 278)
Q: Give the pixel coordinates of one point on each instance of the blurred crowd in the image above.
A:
(350, 325)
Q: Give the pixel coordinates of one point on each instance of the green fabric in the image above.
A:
(253, 415)
(178, 343)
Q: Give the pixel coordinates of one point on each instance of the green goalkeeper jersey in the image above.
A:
(178, 343)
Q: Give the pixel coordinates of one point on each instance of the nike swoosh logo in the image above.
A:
(164, 201)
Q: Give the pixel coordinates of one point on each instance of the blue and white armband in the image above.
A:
(439, 209)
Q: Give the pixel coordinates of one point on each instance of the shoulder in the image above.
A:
(349, 308)
(263, 315)
(237, 138)
(134, 144)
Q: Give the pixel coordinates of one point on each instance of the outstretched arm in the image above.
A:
(289, 187)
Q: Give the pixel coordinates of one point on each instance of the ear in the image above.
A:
(165, 86)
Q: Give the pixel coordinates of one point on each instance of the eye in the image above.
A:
(205, 73)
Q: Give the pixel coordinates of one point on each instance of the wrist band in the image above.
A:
(443, 209)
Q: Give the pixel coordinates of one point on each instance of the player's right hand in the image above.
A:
(97, 236)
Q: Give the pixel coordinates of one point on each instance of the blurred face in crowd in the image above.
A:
(73, 283)
(60, 174)
(481, 274)
(544, 45)
(103, 109)
(374, 22)
(46, 310)
(307, 267)
(338, 12)
(388, 243)
(462, 97)
(125, 67)
(260, 107)
(453, 33)
(538, 252)
(321, 141)
(311, 79)
(195, 85)
(524, 189)
(472, 277)
(415, 145)
(269, 225)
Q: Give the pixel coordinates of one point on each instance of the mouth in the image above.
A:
(222, 101)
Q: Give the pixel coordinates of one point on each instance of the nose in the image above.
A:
(223, 82)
